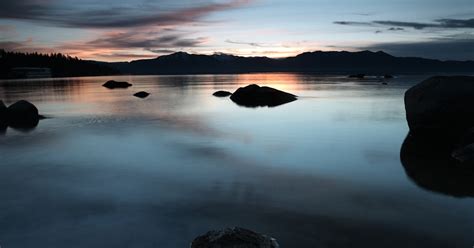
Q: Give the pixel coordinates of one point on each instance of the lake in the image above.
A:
(106, 169)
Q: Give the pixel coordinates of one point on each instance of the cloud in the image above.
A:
(254, 44)
(442, 48)
(115, 16)
(396, 29)
(353, 23)
(439, 24)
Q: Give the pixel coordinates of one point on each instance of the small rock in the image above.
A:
(22, 114)
(256, 96)
(112, 84)
(141, 94)
(359, 76)
(234, 238)
(222, 93)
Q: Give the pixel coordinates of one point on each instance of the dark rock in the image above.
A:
(222, 93)
(141, 94)
(255, 96)
(429, 162)
(3, 111)
(441, 106)
(22, 114)
(384, 83)
(388, 76)
(234, 238)
(359, 76)
(464, 154)
(116, 84)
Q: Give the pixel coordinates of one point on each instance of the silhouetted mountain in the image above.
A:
(315, 62)
(59, 65)
(312, 62)
(343, 62)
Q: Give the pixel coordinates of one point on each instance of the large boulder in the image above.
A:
(112, 84)
(256, 96)
(234, 238)
(22, 114)
(441, 106)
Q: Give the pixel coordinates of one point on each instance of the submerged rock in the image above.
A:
(22, 114)
(359, 76)
(441, 106)
(112, 84)
(234, 238)
(256, 96)
(222, 93)
(141, 94)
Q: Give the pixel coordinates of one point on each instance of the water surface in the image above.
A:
(107, 169)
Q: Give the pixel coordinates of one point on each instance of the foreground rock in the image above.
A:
(256, 96)
(222, 93)
(234, 238)
(22, 114)
(438, 153)
(112, 84)
(441, 106)
(141, 94)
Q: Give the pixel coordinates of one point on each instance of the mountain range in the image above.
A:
(310, 62)
(363, 62)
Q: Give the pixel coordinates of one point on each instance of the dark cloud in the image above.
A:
(378, 31)
(353, 23)
(444, 49)
(396, 29)
(254, 44)
(53, 13)
(136, 40)
(439, 23)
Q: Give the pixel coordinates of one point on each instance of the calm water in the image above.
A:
(111, 170)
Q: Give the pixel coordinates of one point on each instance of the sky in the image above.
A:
(125, 30)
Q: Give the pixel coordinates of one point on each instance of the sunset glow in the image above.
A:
(129, 30)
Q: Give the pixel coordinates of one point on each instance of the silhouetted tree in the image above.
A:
(61, 65)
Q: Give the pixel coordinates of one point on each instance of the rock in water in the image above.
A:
(442, 106)
(115, 84)
(234, 238)
(22, 114)
(359, 76)
(222, 93)
(255, 96)
(141, 94)
(3, 110)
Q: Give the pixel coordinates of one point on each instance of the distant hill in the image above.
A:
(343, 62)
(312, 62)
(60, 65)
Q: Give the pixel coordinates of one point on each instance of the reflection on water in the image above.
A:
(432, 167)
(111, 170)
